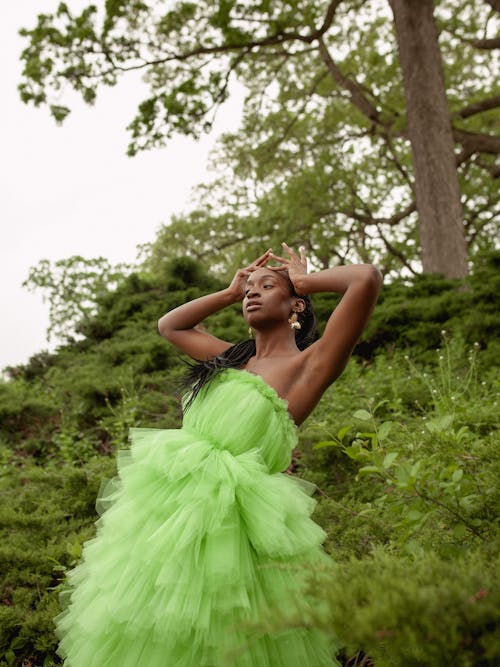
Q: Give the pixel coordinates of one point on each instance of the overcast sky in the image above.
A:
(71, 189)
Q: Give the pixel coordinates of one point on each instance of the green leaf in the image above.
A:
(342, 432)
(384, 430)
(402, 475)
(389, 459)
(459, 530)
(415, 468)
(366, 510)
(414, 548)
(357, 452)
(386, 400)
(325, 443)
(368, 435)
(362, 415)
(457, 475)
(369, 469)
(59, 113)
(439, 424)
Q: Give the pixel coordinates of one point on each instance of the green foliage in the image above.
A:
(73, 287)
(414, 313)
(403, 449)
(45, 515)
(77, 401)
(82, 399)
(410, 612)
(420, 453)
(409, 495)
(323, 157)
(406, 461)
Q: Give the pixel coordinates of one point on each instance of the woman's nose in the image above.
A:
(253, 291)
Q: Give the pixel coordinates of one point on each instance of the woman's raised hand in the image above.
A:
(238, 283)
(295, 265)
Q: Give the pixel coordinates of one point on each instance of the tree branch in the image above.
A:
(474, 142)
(221, 95)
(395, 252)
(274, 145)
(493, 169)
(358, 98)
(368, 219)
(477, 107)
(329, 16)
(397, 163)
(271, 40)
(479, 227)
(485, 44)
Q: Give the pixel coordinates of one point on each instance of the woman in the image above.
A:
(202, 537)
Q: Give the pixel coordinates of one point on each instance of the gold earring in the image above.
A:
(250, 332)
(293, 321)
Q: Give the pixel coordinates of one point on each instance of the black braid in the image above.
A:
(200, 373)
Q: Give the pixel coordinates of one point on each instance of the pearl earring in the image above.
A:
(250, 332)
(293, 321)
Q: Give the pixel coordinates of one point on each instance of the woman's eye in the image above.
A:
(268, 285)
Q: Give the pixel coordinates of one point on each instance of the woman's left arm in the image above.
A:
(360, 285)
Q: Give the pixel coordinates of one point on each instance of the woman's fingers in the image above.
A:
(289, 250)
(269, 254)
(263, 257)
(278, 258)
(303, 257)
(277, 268)
(257, 263)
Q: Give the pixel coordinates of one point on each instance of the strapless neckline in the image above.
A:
(269, 391)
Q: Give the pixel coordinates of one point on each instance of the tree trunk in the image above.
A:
(441, 228)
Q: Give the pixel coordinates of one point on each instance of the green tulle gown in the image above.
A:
(194, 538)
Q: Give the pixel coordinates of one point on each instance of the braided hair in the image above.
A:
(200, 373)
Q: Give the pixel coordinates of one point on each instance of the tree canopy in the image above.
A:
(325, 154)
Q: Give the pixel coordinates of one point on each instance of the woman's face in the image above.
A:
(267, 297)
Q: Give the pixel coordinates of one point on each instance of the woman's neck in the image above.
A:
(275, 344)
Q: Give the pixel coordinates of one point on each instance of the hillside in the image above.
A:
(403, 448)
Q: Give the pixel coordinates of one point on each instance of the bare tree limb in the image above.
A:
(395, 252)
(478, 228)
(493, 169)
(271, 40)
(484, 44)
(368, 219)
(358, 98)
(397, 163)
(474, 142)
(274, 145)
(477, 107)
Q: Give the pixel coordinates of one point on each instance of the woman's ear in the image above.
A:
(299, 306)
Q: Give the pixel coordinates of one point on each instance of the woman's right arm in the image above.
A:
(178, 326)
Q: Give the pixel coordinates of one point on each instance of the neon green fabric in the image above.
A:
(193, 539)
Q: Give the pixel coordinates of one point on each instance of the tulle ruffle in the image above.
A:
(193, 543)
(239, 411)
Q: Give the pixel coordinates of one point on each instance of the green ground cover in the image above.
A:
(404, 449)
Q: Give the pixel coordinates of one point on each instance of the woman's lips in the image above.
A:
(253, 306)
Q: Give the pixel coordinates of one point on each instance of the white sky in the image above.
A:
(71, 189)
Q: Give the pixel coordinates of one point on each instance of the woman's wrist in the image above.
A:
(336, 279)
(191, 313)
(300, 283)
(231, 296)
